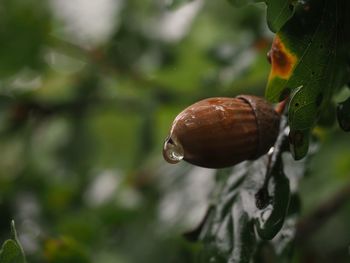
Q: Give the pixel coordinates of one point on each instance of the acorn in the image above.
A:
(221, 132)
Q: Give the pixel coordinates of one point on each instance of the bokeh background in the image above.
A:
(88, 91)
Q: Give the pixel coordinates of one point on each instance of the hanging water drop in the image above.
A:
(172, 150)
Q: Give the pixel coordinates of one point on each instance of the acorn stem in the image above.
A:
(280, 107)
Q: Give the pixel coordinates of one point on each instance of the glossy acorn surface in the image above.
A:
(221, 132)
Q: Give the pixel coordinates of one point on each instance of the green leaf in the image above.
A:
(299, 143)
(307, 61)
(270, 219)
(12, 251)
(278, 13)
(228, 232)
(283, 243)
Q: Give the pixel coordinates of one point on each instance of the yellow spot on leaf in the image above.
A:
(282, 60)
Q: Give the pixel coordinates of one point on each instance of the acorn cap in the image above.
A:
(268, 121)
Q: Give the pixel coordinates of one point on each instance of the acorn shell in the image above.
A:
(221, 132)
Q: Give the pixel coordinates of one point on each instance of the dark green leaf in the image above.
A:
(343, 114)
(299, 143)
(270, 219)
(306, 58)
(278, 13)
(328, 117)
(255, 196)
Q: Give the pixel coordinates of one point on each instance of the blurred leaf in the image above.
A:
(11, 251)
(24, 26)
(176, 3)
(244, 2)
(328, 117)
(65, 250)
(126, 47)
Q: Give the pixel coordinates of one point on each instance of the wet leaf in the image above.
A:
(252, 207)
(283, 242)
(306, 59)
(228, 232)
(270, 220)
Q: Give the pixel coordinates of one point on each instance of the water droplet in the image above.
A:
(272, 149)
(173, 151)
(265, 215)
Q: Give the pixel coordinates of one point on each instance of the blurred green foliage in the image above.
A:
(83, 116)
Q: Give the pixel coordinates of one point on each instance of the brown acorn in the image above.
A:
(221, 132)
